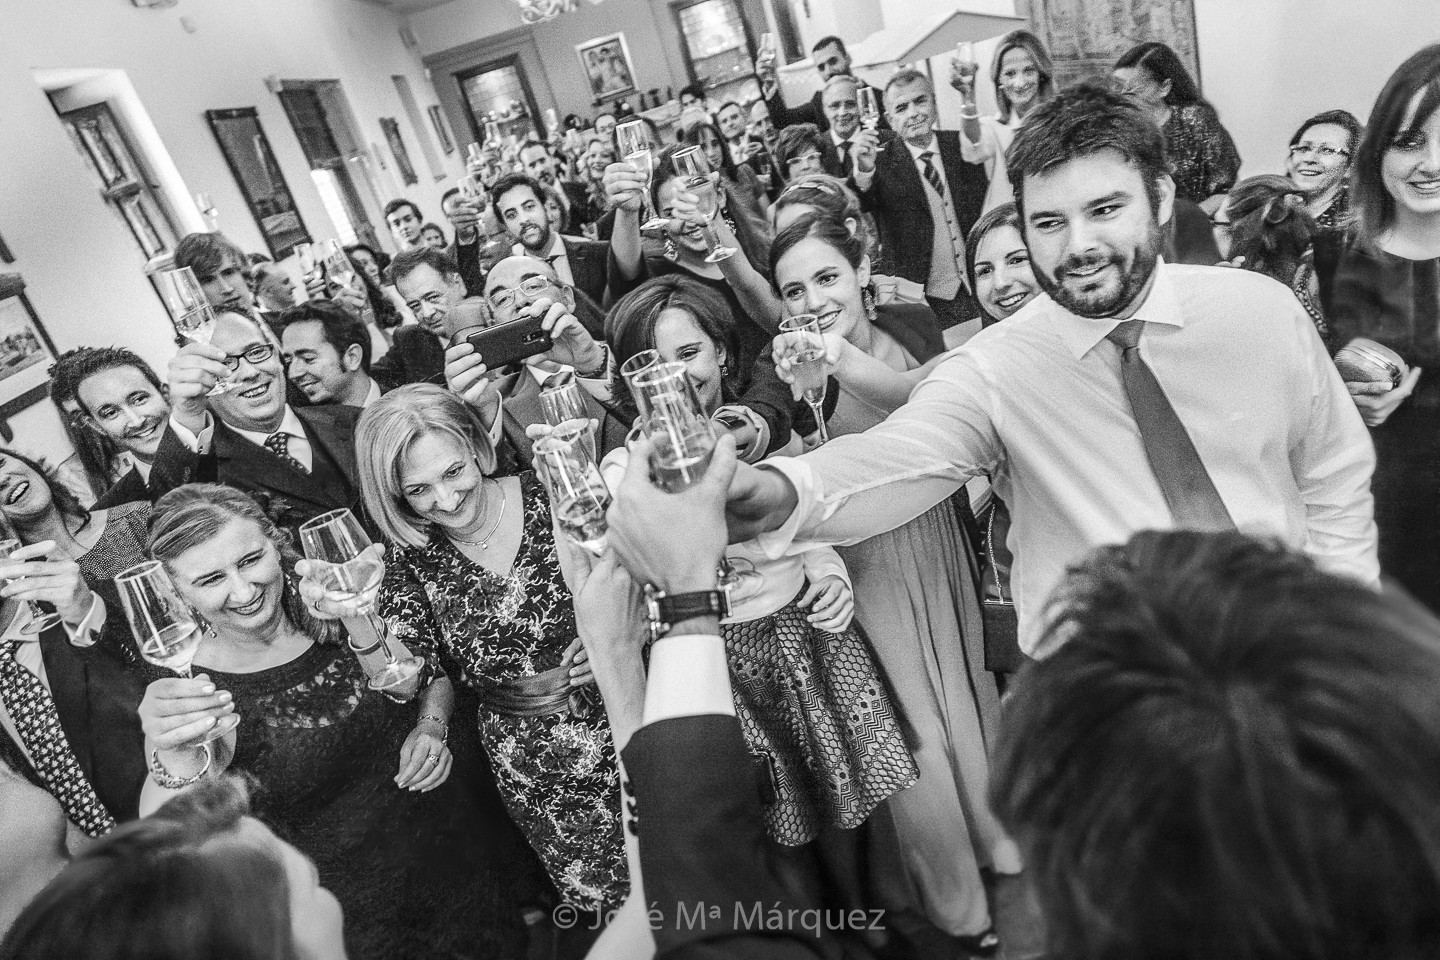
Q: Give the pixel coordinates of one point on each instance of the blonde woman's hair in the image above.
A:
(383, 437)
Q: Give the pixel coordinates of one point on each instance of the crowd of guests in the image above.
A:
(1082, 444)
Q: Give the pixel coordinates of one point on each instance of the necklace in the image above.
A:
(484, 542)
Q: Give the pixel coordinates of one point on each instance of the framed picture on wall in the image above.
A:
(442, 132)
(606, 62)
(397, 149)
(26, 351)
(252, 163)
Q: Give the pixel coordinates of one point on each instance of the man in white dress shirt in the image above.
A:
(1040, 402)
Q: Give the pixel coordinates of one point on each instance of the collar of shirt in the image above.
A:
(557, 248)
(372, 394)
(143, 467)
(290, 425)
(839, 140)
(1081, 334)
(931, 146)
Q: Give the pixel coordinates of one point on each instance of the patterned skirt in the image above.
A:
(819, 721)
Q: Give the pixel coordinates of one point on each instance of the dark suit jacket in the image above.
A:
(830, 156)
(809, 111)
(127, 489)
(897, 199)
(415, 356)
(97, 698)
(288, 496)
(588, 265)
(702, 842)
(580, 212)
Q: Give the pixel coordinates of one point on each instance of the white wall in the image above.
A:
(1266, 65)
(83, 271)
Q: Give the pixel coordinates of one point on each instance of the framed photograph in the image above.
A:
(253, 165)
(26, 351)
(606, 62)
(442, 132)
(397, 149)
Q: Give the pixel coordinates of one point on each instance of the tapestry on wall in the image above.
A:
(1085, 37)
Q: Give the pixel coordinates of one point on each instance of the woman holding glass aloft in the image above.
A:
(358, 782)
(474, 580)
(915, 591)
(808, 695)
(698, 235)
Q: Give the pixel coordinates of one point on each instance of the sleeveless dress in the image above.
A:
(558, 773)
(123, 544)
(419, 875)
(915, 599)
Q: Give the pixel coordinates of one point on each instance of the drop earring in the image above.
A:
(671, 253)
(867, 299)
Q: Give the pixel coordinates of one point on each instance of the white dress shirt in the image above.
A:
(298, 446)
(371, 396)
(1038, 404)
(561, 261)
(28, 654)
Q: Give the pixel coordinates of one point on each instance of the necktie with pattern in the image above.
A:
(32, 710)
(932, 176)
(844, 156)
(1194, 502)
(278, 443)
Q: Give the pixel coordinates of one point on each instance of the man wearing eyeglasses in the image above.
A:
(297, 462)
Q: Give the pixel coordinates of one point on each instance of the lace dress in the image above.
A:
(1199, 147)
(419, 875)
(121, 546)
(557, 773)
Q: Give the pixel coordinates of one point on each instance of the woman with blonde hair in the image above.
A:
(473, 580)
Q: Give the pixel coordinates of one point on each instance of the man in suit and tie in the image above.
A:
(540, 163)
(924, 196)
(297, 462)
(520, 205)
(115, 394)
(840, 99)
(431, 284)
(326, 352)
(831, 60)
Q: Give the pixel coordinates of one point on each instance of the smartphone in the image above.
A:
(506, 343)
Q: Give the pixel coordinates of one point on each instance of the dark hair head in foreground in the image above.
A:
(1232, 755)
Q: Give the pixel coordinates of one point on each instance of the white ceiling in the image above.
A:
(413, 6)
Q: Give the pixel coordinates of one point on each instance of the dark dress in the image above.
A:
(419, 875)
(556, 773)
(1397, 302)
(1205, 159)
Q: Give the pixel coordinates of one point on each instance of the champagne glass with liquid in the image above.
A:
(632, 141)
(682, 434)
(334, 542)
(563, 405)
(309, 263)
(40, 618)
(164, 625)
(869, 108)
(578, 494)
(189, 310)
(694, 170)
(339, 271)
(802, 343)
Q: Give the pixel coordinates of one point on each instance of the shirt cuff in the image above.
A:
(689, 677)
(777, 542)
(195, 443)
(755, 451)
(87, 631)
(822, 562)
(862, 180)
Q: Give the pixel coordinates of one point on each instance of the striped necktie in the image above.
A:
(932, 176)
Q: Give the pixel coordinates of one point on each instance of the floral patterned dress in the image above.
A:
(557, 774)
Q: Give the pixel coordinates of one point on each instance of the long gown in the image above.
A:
(557, 773)
(418, 875)
(915, 599)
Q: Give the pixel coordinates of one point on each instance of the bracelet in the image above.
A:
(444, 737)
(169, 781)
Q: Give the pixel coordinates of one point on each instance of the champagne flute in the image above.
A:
(578, 494)
(804, 345)
(40, 618)
(631, 368)
(563, 405)
(165, 626)
(694, 170)
(309, 263)
(869, 108)
(632, 141)
(189, 310)
(334, 543)
(683, 437)
(339, 271)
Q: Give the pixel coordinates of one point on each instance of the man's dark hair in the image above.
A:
(74, 367)
(399, 204)
(826, 41)
(424, 255)
(206, 253)
(726, 106)
(696, 90)
(528, 144)
(509, 182)
(1084, 120)
(339, 326)
(1231, 754)
(448, 194)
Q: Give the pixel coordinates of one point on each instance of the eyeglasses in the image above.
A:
(254, 356)
(807, 158)
(1319, 149)
(530, 286)
(819, 186)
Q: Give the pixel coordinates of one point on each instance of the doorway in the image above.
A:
(498, 92)
(321, 121)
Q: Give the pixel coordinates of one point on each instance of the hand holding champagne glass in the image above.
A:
(164, 625)
(690, 163)
(578, 494)
(803, 345)
(189, 310)
(339, 271)
(40, 619)
(633, 143)
(563, 405)
(336, 545)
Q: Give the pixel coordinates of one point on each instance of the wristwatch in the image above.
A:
(668, 609)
